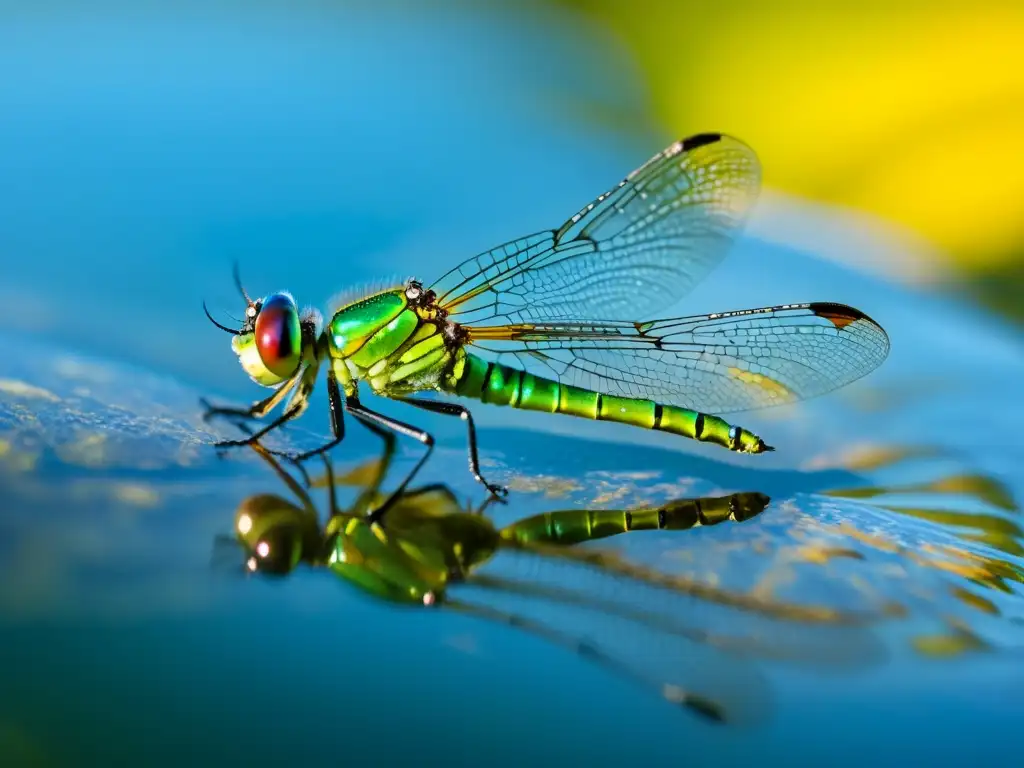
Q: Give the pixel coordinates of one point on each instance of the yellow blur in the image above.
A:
(913, 111)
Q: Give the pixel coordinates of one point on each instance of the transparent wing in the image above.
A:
(688, 644)
(729, 361)
(632, 252)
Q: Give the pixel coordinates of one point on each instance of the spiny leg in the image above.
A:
(332, 491)
(453, 409)
(294, 487)
(268, 455)
(372, 489)
(257, 410)
(337, 424)
(373, 419)
(296, 406)
(338, 427)
(288, 415)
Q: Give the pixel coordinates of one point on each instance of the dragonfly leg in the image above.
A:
(332, 491)
(257, 410)
(337, 424)
(369, 493)
(253, 437)
(295, 408)
(453, 409)
(268, 455)
(372, 419)
(294, 487)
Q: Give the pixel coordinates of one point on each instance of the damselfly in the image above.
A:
(553, 322)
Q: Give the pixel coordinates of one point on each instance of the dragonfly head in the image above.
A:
(273, 338)
(276, 535)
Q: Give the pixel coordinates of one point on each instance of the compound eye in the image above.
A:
(279, 335)
(277, 554)
(271, 531)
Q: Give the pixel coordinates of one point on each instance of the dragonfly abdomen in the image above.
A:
(498, 384)
(575, 526)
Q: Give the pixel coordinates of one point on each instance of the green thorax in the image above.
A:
(414, 556)
(387, 341)
(365, 555)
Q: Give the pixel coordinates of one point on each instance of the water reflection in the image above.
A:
(698, 608)
(631, 620)
(975, 542)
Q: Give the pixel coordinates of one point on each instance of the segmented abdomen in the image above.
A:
(575, 526)
(499, 384)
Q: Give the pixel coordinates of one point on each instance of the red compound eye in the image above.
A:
(278, 335)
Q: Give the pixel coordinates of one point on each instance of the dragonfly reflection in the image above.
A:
(647, 626)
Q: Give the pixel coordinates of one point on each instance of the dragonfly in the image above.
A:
(553, 322)
(430, 551)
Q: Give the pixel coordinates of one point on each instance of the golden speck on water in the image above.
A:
(551, 486)
(822, 554)
(957, 641)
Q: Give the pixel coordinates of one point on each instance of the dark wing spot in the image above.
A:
(699, 140)
(839, 315)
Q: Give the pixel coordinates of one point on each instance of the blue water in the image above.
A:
(323, 149)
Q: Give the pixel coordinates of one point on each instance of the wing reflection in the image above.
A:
(693, 641)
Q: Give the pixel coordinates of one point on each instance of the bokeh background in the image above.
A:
(904, 117)
(326, 145)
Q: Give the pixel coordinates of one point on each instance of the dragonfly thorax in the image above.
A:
(395, 340)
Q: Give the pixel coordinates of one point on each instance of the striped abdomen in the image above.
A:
(575, 526)
(501, 385)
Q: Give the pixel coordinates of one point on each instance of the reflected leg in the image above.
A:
(337, 424)
(376, 420)
(296, 407)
